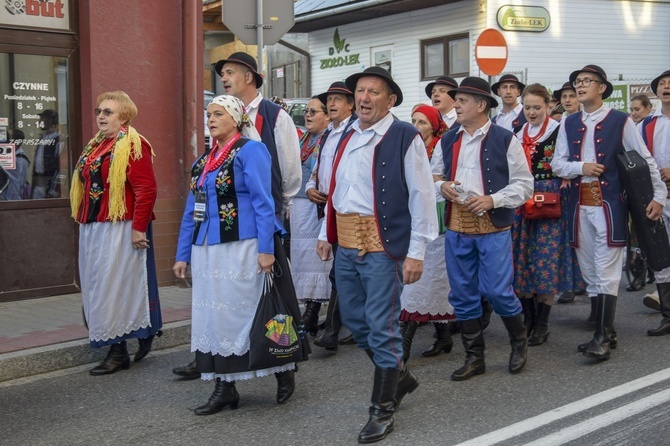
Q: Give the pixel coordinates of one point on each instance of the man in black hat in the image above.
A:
(509, 88)
(381, 212)
(655, 131)
(46, 165)
(567, 96)
(479, 216)
(339, 102)
(586, 150)
(438, 92)
(240, 78)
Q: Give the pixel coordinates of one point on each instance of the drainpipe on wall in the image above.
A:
(193, 84)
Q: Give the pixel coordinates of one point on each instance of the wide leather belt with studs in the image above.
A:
(590, 194)
(463, 221)
(360, 232)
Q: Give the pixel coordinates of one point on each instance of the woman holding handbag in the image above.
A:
(227, 236)
(542, 255)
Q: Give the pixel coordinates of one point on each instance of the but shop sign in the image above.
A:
(51, 14)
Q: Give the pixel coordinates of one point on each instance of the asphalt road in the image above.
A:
(560, 398)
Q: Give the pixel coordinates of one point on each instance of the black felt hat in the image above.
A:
(654, 83)
(442, 80)
(378, 72)
(242, 59)
(600, 72)
(507, 78)
(556, 94)
(338, 87)
(475, 85)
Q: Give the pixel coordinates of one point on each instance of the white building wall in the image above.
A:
(628, 39)
(404, 33)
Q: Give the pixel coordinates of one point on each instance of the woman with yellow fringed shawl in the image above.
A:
(112, 197)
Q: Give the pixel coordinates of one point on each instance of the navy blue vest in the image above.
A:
(269, 111)
(495, 171)
(608, 141)
(391, 194)
(647, 121)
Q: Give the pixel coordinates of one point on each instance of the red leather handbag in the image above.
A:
(543, 206)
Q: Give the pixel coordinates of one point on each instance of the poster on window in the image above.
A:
(381, 57)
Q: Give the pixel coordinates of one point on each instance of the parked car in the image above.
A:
(295, 110)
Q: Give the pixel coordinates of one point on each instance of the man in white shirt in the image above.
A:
(381, 212)
(509, 88)
(586, 150)
(339, 102)
(487, 178)
(655, 131)
(438, 92)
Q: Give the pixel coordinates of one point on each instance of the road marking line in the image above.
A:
(527, 425)
(593, 424)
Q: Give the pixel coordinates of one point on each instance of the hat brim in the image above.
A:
(494, 87)
(609, 88)
(493, 102)
(353, 79)
(654, 83)
(556, 94)
(323, 97)
(219, 65)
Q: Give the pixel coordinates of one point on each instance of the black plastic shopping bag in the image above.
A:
(274, 338)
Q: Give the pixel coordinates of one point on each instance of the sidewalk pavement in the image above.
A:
(47, 334)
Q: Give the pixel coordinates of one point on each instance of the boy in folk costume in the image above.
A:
(438, 92)
(656, 134)
(586, 148)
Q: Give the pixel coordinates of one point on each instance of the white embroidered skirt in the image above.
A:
(113, 277)
(310, 273)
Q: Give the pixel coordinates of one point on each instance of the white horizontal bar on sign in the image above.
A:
(491, 52)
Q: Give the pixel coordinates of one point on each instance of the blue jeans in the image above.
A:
(481, 265)
(369, 290)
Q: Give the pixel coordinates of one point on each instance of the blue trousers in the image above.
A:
(369, 290)
(481, 265)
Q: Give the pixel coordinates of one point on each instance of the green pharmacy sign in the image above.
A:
(523, 18)
(339, 53)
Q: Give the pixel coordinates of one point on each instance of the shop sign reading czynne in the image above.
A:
(52, 14)
(339, 45)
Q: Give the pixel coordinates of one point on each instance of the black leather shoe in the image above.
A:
(188, 371)
(348, 340)
(285, 385)
(444, 343)
(567, 297)
(224, 395)
(145, 346)
(473, 341)
(380, 423)
(117, 359)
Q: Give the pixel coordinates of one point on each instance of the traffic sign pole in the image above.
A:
(259, 36)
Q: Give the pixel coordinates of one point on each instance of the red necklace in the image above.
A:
(529, 142)
(217, 157)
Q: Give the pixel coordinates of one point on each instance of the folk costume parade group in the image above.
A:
(392, 225)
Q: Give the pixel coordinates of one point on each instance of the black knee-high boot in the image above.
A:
(541, 331)
(473, 341)
(518, 339)
(380, 423)
(664, 298)
(529, 313)
(330, 337)
(407, 329)
(599, 347)
(309, 321)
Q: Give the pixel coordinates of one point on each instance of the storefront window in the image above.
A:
(34, 128)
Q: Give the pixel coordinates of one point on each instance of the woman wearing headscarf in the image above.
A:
(427, 299)
(227, 236)
(112, 197)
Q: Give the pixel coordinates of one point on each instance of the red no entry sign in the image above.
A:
(491, 52)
